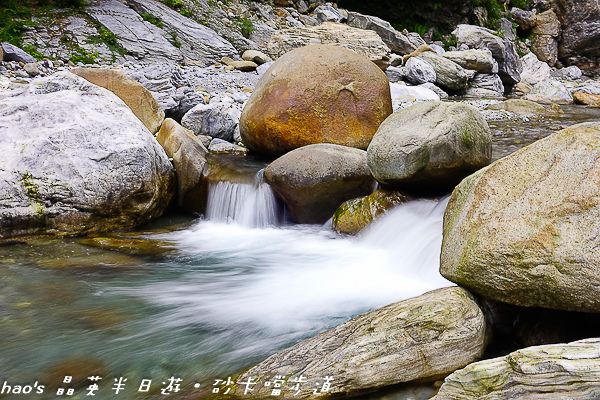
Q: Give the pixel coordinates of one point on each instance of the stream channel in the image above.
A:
(205, 298)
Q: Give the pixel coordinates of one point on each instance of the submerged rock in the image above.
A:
(145, 247)
(314, 180)
(316, 94)
(430, 146)
(521, 107)
(137, 98)
(542, 372)
(354, 215)
(76, 159)
(423, 338)
(592, 100)
(524, 231)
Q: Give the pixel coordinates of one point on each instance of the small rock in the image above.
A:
(256, 56)
(572, 73)
(419, 71)
(263, 68)
(215, 120)
(326, 13)
(220, 146)
(14, 53)
(395, 74)
(591, 100)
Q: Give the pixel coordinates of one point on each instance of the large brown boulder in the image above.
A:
(133, 94)
(314, 180)
(316, 94)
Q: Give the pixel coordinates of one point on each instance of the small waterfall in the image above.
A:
(249, 204)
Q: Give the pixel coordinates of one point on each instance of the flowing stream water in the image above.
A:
(211, 296)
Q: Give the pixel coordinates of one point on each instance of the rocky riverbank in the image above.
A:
(339, 104)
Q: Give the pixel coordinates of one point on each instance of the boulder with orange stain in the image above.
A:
(316, 94)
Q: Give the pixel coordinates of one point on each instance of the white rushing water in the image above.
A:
(277, 285)
(252, 205)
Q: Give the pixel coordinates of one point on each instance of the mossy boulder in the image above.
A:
(526, 230)
(419, 339)
(430, 146)
(315, 180)
(316, 94)
(354, 215)
(556, 371)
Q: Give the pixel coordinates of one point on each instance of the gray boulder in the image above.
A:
(430, 145)
(449, 75)
(525, 19)
(315, 180)
(419, 71)
(567, 371)
(76, 160)
(490, 82)
(396, 74)
(325, 13)
(13, 53)
(534, 70)
(524, 231)
(572, 73)
(422, 338)
(478, 60)
(503, 50)
(550, 91)
(215, 120)
(395, 40)
(197, 42)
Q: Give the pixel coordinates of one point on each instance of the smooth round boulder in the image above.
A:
(526, 230)
(430, 146)
(314, 180)
(316, 94)
(75, 159)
